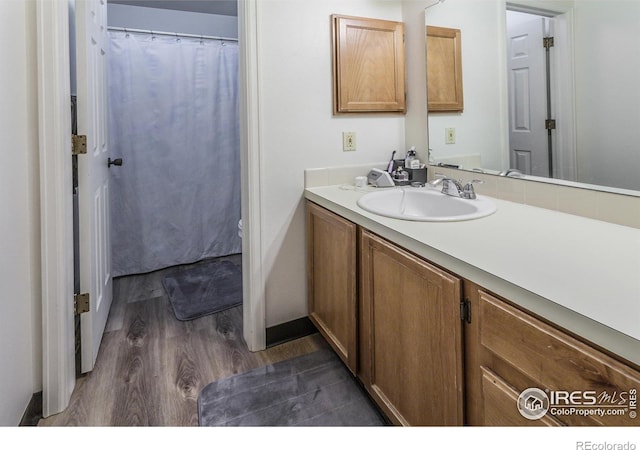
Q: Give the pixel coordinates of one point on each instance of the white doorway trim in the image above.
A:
(54, 115)
(254, 322)
(56, 204)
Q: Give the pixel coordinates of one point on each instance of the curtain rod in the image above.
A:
(165, 33)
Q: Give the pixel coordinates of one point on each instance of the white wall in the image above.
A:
(482, 127)
(173, 21)
(607, 72)
(299, 131)
(20, 321)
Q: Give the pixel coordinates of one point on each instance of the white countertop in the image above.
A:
(582, 274)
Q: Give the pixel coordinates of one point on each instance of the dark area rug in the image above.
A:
(203, 289)
(311, 390)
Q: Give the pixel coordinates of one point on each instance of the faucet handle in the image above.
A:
(468, 191)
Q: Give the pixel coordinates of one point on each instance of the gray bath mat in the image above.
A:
(204, 289)
(311, 390)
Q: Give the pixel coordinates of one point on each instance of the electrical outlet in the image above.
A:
(348, 141)
(449, 135)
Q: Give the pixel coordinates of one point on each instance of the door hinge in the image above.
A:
(80, 303)
(78, 144)
(465, 310)
(547, 42)
(550, 124)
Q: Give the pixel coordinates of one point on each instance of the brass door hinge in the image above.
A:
(550, 124)
(80, 303)
(78, 144)
(465, 310)
(547, 42)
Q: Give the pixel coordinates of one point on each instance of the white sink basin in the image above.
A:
(426, 205)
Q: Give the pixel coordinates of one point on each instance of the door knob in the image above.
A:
(114, 162)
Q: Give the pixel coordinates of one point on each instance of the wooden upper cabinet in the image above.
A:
(368, 65)
(444, 70)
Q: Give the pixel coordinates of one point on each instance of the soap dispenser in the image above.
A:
(411, 155)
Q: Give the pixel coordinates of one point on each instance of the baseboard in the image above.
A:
(288, 331)
(33, 413)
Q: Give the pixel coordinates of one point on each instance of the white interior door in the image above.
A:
(528, 146)
(93, 173)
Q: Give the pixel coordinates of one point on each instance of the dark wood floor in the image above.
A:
(151, 366)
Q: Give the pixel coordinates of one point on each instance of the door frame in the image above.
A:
(253, 279)
(562, 85)
(56, 204)
(56, 221)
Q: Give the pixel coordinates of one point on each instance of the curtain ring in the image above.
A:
(126, 33)
(201, 40)
(177, 38)
(153, 36)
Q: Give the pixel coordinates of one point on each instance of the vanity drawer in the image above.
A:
(499, 405)
(555, 361)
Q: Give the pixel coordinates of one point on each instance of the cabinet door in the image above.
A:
(368, 65)
(411, 338)
(444, 70)
(331, 276)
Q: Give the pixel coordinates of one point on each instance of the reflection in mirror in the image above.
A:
(590, 89)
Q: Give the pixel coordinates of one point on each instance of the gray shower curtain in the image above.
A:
(174, 120)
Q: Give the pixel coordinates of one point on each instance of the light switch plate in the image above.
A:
(450, 135)
(348, 141)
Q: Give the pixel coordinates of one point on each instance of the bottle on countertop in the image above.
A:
(411, 161)
(411, 155)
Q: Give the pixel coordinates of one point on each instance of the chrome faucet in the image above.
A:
(455, 188)
(449, 186)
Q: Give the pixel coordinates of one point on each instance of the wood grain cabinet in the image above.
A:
(396, 321)
(508, 351)
(411, 336)
(444, 70)
(331, 280)
(368, 65)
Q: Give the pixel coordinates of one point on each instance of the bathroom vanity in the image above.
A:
(448, 323)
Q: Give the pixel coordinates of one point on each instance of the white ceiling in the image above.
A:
(221, 7)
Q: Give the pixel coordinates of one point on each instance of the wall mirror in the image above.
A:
(587, 82)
